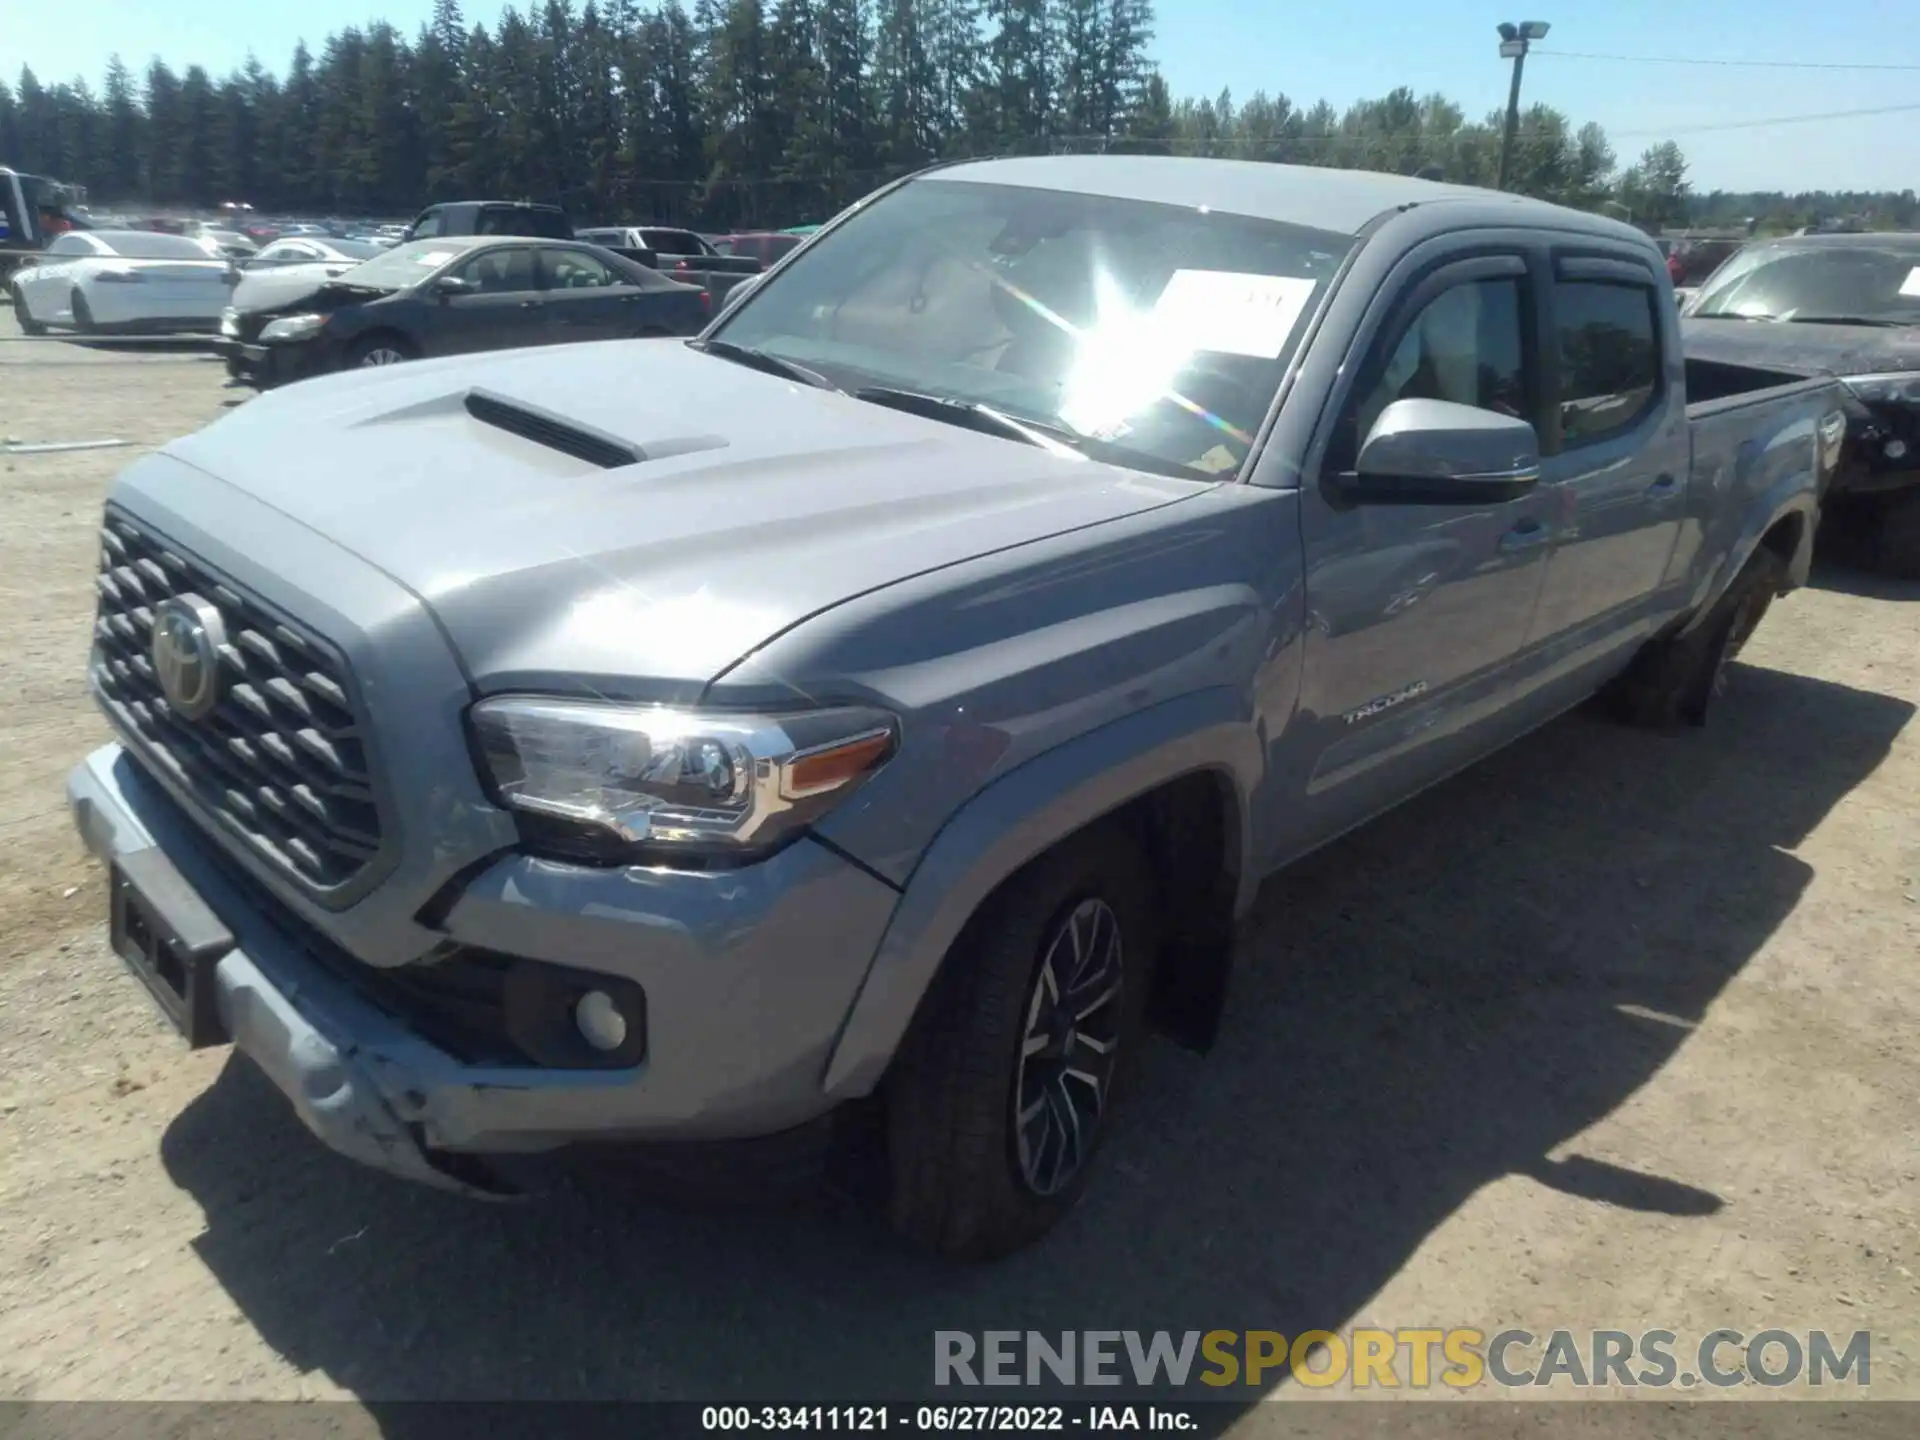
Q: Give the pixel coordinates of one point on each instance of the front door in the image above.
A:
(1416, 613)
(1616, 458)
(502, 307)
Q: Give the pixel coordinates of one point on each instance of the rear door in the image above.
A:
(1615, 455)
(1417, 613)
(586, 298)
(502, 307)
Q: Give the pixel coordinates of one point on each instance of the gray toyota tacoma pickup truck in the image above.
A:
(886, 703)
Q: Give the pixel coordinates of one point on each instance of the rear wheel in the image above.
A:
(1002, 1094)
(28, 325)
(82, 314)
(381, 350)
(1675, 681)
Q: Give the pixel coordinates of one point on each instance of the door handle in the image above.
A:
(1524, 537)
(1661, 488)
(531, 304)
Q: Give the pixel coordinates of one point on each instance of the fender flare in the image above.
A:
(1792, 495)
(1020, 816)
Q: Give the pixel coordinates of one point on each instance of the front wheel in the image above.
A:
(1896, 536)
(380, 350)
(1003, 1092)
(28, 325)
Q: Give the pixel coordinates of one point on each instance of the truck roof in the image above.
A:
(1309, 195)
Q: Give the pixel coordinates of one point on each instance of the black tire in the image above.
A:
(82, 314)
(964, 1184)
(368, 350)
(1896, 536)
(1675, 680)
(28, 325)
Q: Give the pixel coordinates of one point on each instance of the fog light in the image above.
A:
(599, 1021)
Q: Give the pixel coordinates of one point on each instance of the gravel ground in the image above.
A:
(1614, 1030)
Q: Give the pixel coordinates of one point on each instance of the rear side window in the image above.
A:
(671, 242)
(531, 220)
(428, 226)
(1609, 341)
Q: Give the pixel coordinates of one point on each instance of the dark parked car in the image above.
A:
(490, 217)
(447, 297)
(1845, 305)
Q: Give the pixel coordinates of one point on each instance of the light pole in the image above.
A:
(1514, 40)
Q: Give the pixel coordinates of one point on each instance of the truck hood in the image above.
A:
(761, 502)
(1803, 349)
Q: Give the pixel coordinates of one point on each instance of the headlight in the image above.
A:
(1885, 389)
(293, 327)
(229, 321)
(609, 782)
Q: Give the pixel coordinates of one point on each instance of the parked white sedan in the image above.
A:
(120, 282)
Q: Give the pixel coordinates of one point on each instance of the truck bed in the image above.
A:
(1755, 433)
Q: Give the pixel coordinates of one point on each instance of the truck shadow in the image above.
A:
(1438, 1001)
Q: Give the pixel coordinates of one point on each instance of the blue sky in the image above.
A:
(1339, 49)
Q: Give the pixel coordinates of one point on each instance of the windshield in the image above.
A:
(140, 245)
(404, 265)
(1875, 281)
(1159, 328)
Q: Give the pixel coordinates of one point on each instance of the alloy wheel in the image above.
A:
(1069, 1046)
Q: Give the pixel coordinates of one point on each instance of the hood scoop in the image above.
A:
(596, 447)
(570, 437)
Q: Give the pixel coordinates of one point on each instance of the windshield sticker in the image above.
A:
(1217, 461)
(1911, 285)
(1233, 314)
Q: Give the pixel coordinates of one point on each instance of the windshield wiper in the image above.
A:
(1044, 433)
(764, 361)
(970, 413)
(1877, 320)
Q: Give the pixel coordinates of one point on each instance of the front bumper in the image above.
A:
(749, 976)
(265, 366)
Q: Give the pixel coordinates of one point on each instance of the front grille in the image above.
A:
(279, 762)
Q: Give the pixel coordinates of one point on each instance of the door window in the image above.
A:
(1467, 344)
(576, 270)
(499, 272)
(1608, 336)
(428, 226)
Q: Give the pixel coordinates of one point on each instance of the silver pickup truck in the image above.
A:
(888, 702)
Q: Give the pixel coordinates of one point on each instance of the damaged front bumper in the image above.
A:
(748, 978)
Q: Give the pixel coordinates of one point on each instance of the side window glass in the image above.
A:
(571, 270)
(1609, 341)
(499, 272)
(428, 226)
(1465, 345)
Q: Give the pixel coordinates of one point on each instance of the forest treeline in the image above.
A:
(758, 112)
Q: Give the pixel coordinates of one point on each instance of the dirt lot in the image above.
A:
(1615, 1030)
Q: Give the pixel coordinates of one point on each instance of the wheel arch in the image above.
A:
(1180, 776)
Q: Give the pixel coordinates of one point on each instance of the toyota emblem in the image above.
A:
(188, 635)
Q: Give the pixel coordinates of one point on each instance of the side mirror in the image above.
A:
(447, 286)
(1438, 452)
